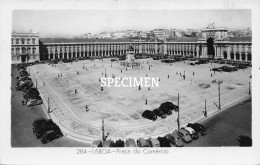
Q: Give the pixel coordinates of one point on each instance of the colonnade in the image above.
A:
(241, 51)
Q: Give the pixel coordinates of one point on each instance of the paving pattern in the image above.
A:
(72, 126)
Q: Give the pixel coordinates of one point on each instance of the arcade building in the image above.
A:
(214, 43)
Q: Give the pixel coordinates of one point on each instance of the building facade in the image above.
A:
(213, 44)
(25, 47)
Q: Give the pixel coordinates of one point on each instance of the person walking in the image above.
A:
(76, 91)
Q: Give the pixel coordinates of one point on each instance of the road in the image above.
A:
(22, 118)
(228, 127)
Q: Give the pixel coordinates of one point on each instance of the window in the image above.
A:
(33, 41)
(12, 50)
(33, 50)
(17, 40)
(12, 41)
(17, 50)
(29, 50)
(23, 40)
(28, 40)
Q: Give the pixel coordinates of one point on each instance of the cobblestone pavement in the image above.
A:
(72, 126)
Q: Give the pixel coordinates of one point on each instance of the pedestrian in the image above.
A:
(139, 87)
(168, 76)
(184, 77)
(86, 108)
(149, 88)
(145, 101)
(102, 88)
(193, 73)
(121, 71)
(76, 91)
(58, 75)
(61, 74)
(23, 102)
(211, 74)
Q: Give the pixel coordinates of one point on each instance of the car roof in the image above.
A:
(183, 131)
(154, 140)
(174, 134)
(189, 129)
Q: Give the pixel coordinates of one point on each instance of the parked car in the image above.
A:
(24, 78)
(159, 112)
(97, 143)
(50, 136)
(198, 128)
(113, 59)
(142, 143)
(119, 143)
(44, 127)
(40, 124)
(39, 121)
(153, 142)
(32, 102)
(194, 135)
(175, 139)
(40, 132)
(184, 135)
(164, 142)
(169, 105)
(192, 64)
(149, 115)
(130, 143)
(166, 110)
(108, 143)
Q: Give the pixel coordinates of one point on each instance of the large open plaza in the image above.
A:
(76, 85)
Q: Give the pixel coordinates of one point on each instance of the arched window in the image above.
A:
(17, 40)
(12, 40)
(29, 50)
(33, 41)
(33, 50)
(17, 50)
(23, 40)
(28, 40)
(23, 50)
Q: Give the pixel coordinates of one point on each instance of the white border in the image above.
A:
(201, 155)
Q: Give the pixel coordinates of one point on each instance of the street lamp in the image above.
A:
(178, 119)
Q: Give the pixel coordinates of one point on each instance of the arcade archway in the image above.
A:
(210, 46)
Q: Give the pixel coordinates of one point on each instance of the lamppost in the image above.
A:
(178, 119)
(219, 105)
(249, 90)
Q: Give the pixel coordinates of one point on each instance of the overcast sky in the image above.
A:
(61, 23)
